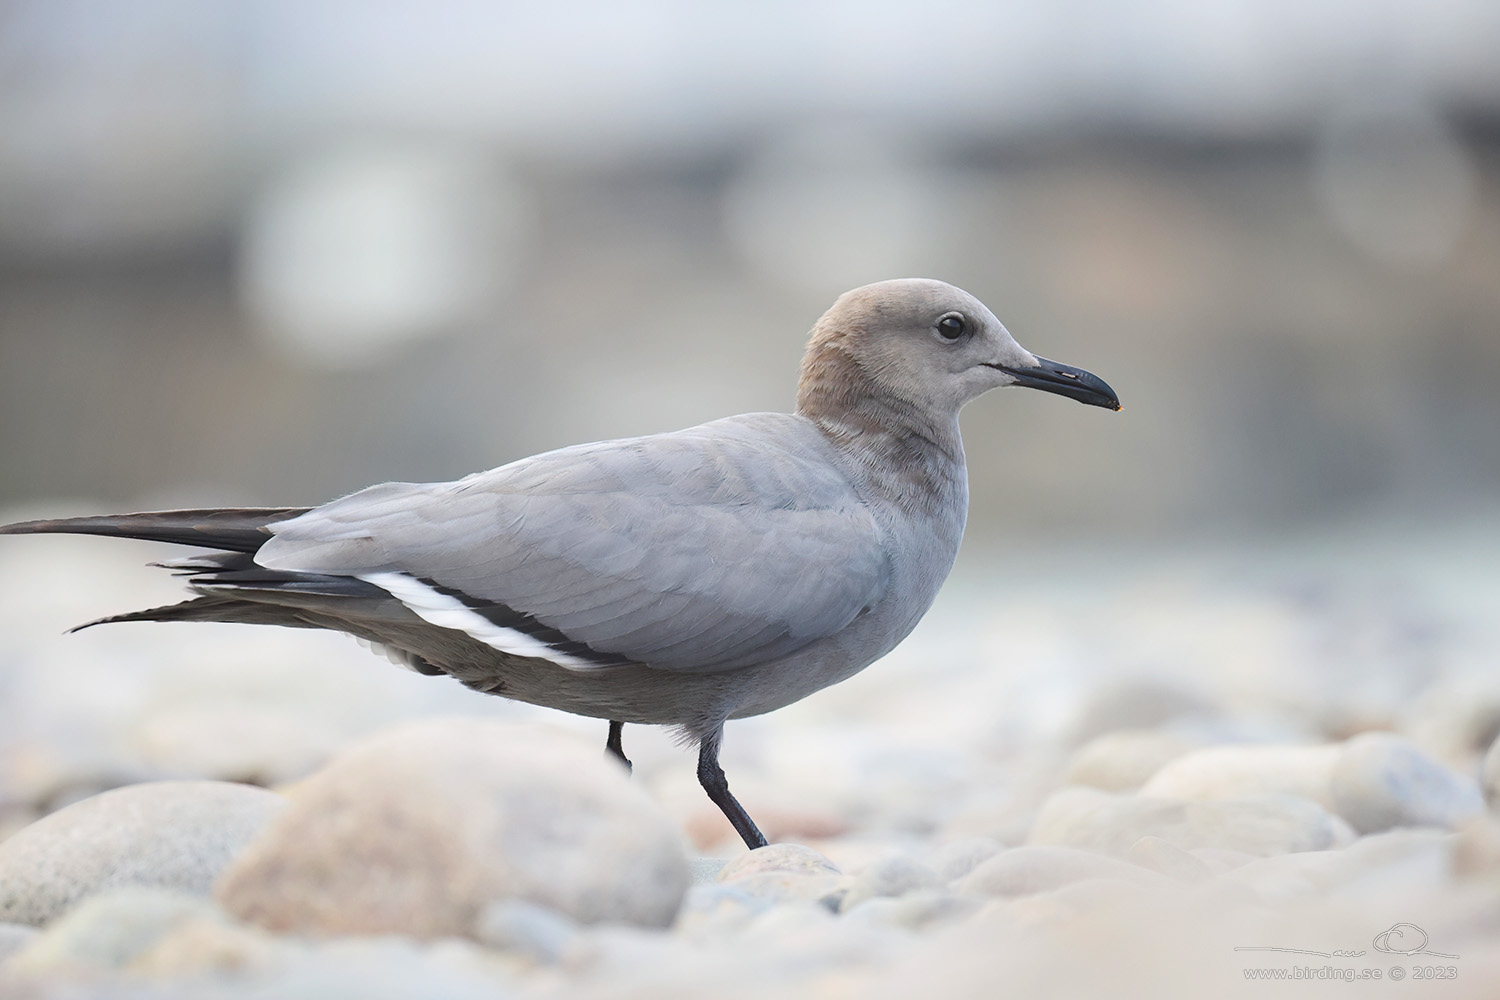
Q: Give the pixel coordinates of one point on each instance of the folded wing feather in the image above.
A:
(705, 550)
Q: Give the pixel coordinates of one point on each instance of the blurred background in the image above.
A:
(273, 251)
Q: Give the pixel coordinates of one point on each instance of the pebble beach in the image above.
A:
(1254, 768)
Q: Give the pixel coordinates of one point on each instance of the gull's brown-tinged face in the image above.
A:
(931, 344)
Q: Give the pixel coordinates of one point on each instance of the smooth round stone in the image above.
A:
(1248, 770)
(1457, 718)
(109, 930)
(521, 926)
(785, 873)
(892, 877)
(170, 834)
(1124, 760)
(778, 858)
(955, 860)
(418, 829)
(777, 887)
(1025, 871)
(1109, 824)
(719, 909)
(1382, 780)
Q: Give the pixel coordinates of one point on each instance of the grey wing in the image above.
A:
(701, 551)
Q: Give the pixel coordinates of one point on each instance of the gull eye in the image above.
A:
(952, 326)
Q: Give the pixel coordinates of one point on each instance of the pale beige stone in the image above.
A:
(416, 830)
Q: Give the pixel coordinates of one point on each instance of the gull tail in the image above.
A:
(231, 587)
(240, 530)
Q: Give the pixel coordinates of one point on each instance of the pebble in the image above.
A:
(778, 858)
(1098, 821)
(1124, 760)
(716, 910)
(785, 873)
(890, 877)
(791, 886)
(1025, 871)
(524, 927)
(1249, 770)
(417, 829)
(1457, 718)
(956, 859)
(1382, 780)
(108, 930)
(170, 834)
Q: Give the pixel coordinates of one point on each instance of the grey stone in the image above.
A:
(893, 876)
(418, 829)
(1382, 781)
(719, 909)
(171, 834)
(1098, 821)
(108, 930)
(524, 927)
(1025, 871)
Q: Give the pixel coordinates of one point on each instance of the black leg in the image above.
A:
(711, 777)
(614, 746)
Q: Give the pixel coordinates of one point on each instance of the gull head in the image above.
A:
(924, 346)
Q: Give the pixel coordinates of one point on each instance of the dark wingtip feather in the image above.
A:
(236, 529)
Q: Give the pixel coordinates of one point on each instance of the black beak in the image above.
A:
(1065, 380)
